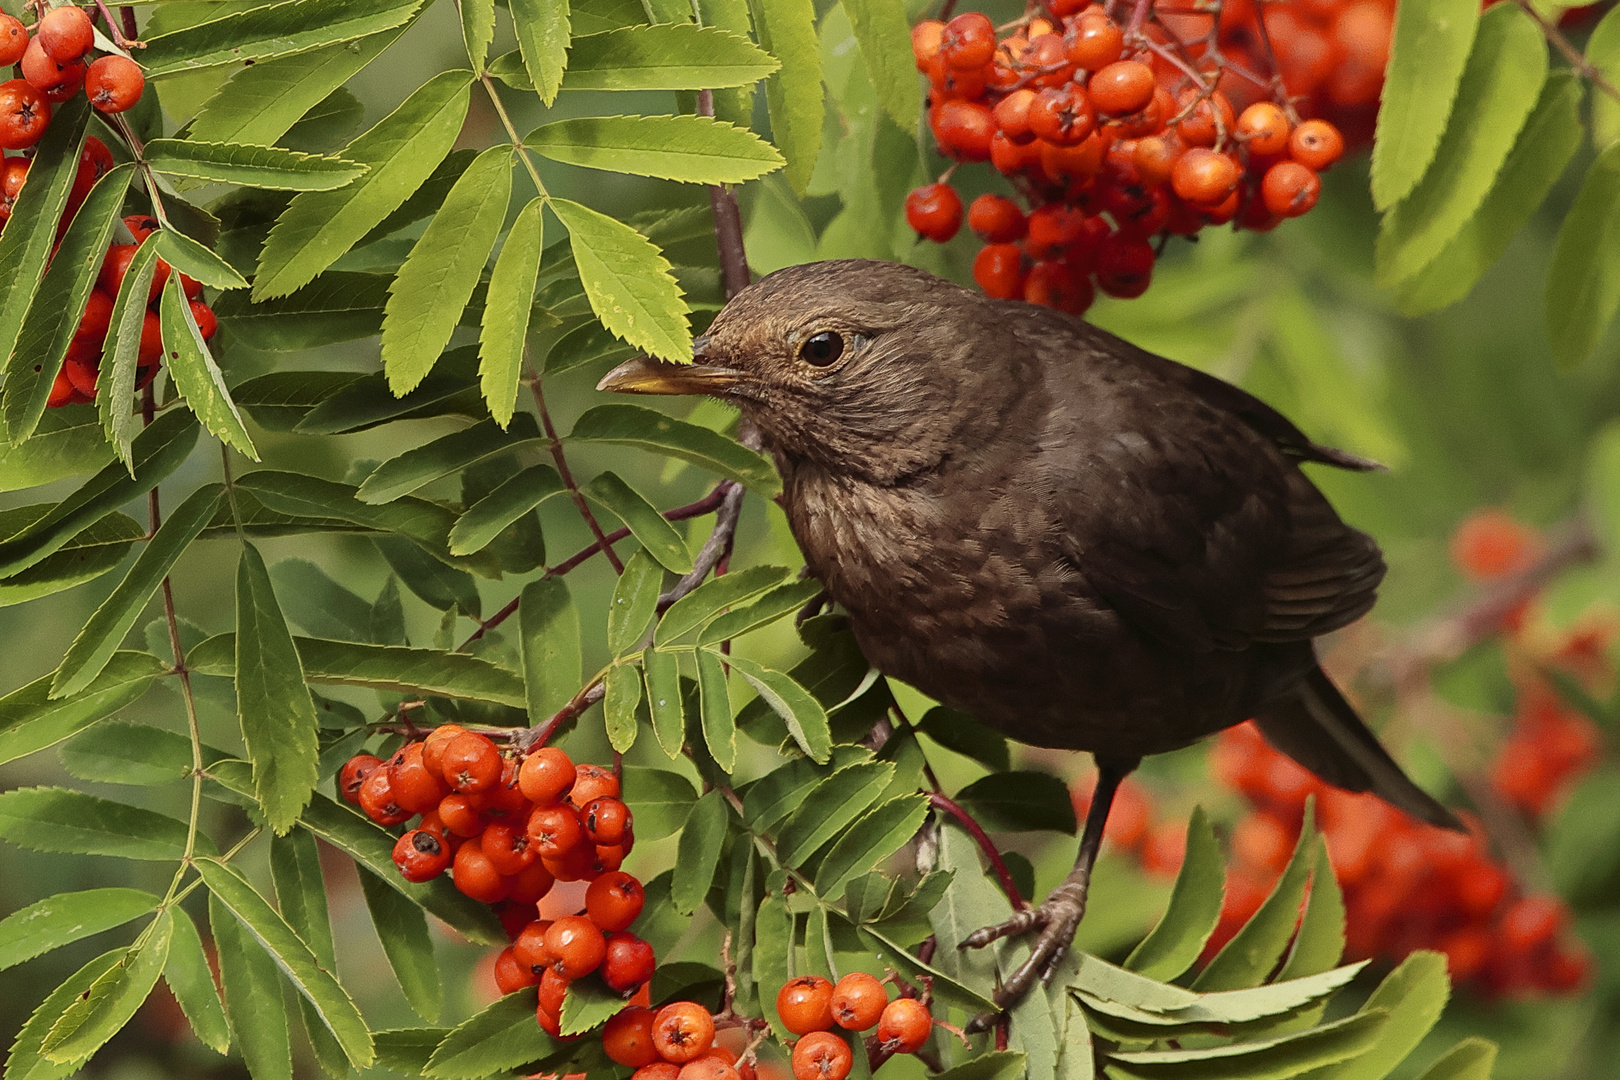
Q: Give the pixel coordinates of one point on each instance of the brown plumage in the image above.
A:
(1084, 545)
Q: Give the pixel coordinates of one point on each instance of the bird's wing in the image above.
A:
(1188, 519)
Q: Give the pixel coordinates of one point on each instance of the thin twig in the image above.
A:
(1576, 59)
(980, 837)
(113, 30)
(567, 475)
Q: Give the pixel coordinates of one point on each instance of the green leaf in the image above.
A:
(1426, 58)
(787, 30)
(477, 30)
(336, 306)
(189, 257)
(52, 317)
(708, 600)
(192, 984)
(635, 601)
(660, 800)
(438, 277)
(66, 569)
(57, 819)
(665, 56)
(272, 703)
(391, 668)
(697, 853)
(293, 957)
(259, 33)
(552, 658)
(309, 496)
(1412, 997)
(542, 33)
(196, 376)
(366, 402)
(295, 869)
(995, 1065)
(633, 425)
(250, 166)
(403, 931)
(962, 734)
(829, 807)
(111, 1000)
(67, 442)
(773, 957)
(1505, 73)
(1603, 53)
(253, 997)
(504, 332)
(489, 517)
(320, 605)
(1173, 945)
(719, 723)
(627, 280)
(401, 151)
(447, 454)
(656, 536)
(1543, 149)
(588, 1004)
(31, 720)
(500, 1037)
(1320, 942)
(24, 248)
(664, 700)
(804, 716)
(1471, 1059)
(120, 352)
(372, 846)
(1110, 990)
(946, 987)
(25, 1061)
(1253, 952)
(884, 34)
(691, 149)
(870, 840)
(261, 103)
(118, 752)
(780, 602)
(1583, 283)
(1019, 801)
(622, 695)
(1268, 1059)
(65, 918)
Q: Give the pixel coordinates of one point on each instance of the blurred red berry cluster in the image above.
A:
(1117, 126)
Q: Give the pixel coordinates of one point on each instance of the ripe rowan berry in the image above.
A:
(709, 1067)
(963, 129)
(511, 975)
(858, 1001)
(529, 947)
(476, 876)
(821, 1055)
(1263, 128)
(1062, 115)
(1211, 118)
(82, 364)
(904, 1025)
(545, 776)
(1121, 88)
(65, 33)
(995, 219)
(150, 351)
(57, 80)
(934, 211)
(999, 271)
(549, 1022)
(627, 1037)
(460, 816)
(628, 962)
(357, 768)
(1489, 543)
(470, 763)
(1531, 921)
(1316, 144)
(926, 38)
(1011, 114)
(614, 900)
(593, 782)
(969, 41)
(203, 315)
(421, 855)
(24, 114)
(576, 864)
(683, 1031)
(530, 884)
(503, 800)
(1124, 266)
(114, 83)
(555, 830)
(553, 988)
(414, 788)
(1289, 189)
(62, 392)
(508, 848)
(116, 265)
(1044, 63)
(609, 857)
(605, 820)
(1205, 177)
(658, 1070)
(13, 39)
(1057, 284)
(576, 946)
(805, 1004)
(377, 799)
(1155, 158)
(1093, 42)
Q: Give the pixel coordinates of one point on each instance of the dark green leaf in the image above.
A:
(1195, 907)
(259, 33)
(406, 1050)
(961, 733)
(25, 1061)
(627, 280)
(503, 334)
(871, 839)
(1018, 801)
(403, 931)
(447, 454)
(633, 425)
(719, 723)
(831, 806)
(635, 601)
(542, 33)
(272, 702)
(56, 819)
(489, 517)
(1426, 58)
(67, 917)
(253, 997)
(588, 343)
(337, 306)
(30, 720)
(804, 716)
(118, 752)
(192, 983)
(622, 695)
(787, 30)
(780, 602)
(320, 605)
(660, 800)
(196, 376)
(312, 497)
(67, 442)
(250, 166)
(1583, 284)
(692, 149)
(552, 663)
(426, 574)
(996, 1065)
(713, 597)
(890, 952)
(1269, 1059)
(502, 1036)
(665, 56)
(697, 853)
(295, 869)
(656, 536)
(111, 1000)
(1253, 952)
(664, 702)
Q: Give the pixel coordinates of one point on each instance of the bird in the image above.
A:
(1082, 544)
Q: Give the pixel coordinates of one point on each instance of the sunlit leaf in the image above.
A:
(542, 33)
(504, 332)
(1583, 284)
(1426, 57)
(787, 30)
(628, 281)
(693, 149)
(68, 917)
(259, 33)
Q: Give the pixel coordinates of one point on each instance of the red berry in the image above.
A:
(996, 220)
(969, 41)
(415, 789)
(934, 211)
(576, 946)
(1062, 115)
(378, 801)
(114, 83)
(421, 855)
(13, 40)
(471, 763)
(614, 900)
(1289, 189)
(904, 1025)
(476, 876)
(1059, 285)
(1263, 128)
(1124, 266)
(357, 768)
(606, 820)
(592, 782)
(1121, 88)
(24, 114)
(999, 271)
(683, 1031)
(1200, 127)
(963, 129)
(507, 846)
(65, 33)
(555, 830)
(805, 1004)
(203, 315)
(545, 776)
(628, 962)
(926, 38)
(511, 975)
(858, 1001)
(57, 80)
(821, 1055)
(1011, 114)
(1093, 42)
(529, 947)
(627, 1037)
(1316, 144)
(1205, 177)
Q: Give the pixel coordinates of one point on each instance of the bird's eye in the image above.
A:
(822, 349)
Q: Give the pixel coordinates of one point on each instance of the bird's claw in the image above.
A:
(1057, 917)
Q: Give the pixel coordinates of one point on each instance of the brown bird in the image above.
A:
(1082, 544)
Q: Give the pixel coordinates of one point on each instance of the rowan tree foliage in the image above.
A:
(325, 471)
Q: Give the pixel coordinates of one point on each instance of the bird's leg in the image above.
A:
(1059, 914)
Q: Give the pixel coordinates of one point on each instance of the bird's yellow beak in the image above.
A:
(644, 375)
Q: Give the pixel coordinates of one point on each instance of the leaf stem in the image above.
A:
(567, 475)
(1555, 37)
(980, 837)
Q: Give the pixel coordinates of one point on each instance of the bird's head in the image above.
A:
(871, 369)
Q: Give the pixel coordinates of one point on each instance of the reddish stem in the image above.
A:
(1003, 875)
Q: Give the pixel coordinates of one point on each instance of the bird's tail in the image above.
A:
(1319, 729)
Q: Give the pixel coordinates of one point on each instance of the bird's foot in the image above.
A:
(1057, 918)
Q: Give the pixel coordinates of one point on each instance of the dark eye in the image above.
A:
(822, 349)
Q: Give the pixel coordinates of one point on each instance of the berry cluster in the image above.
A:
(811, 1006)
(1115, 136)
(54, 69)
(1406, 885)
